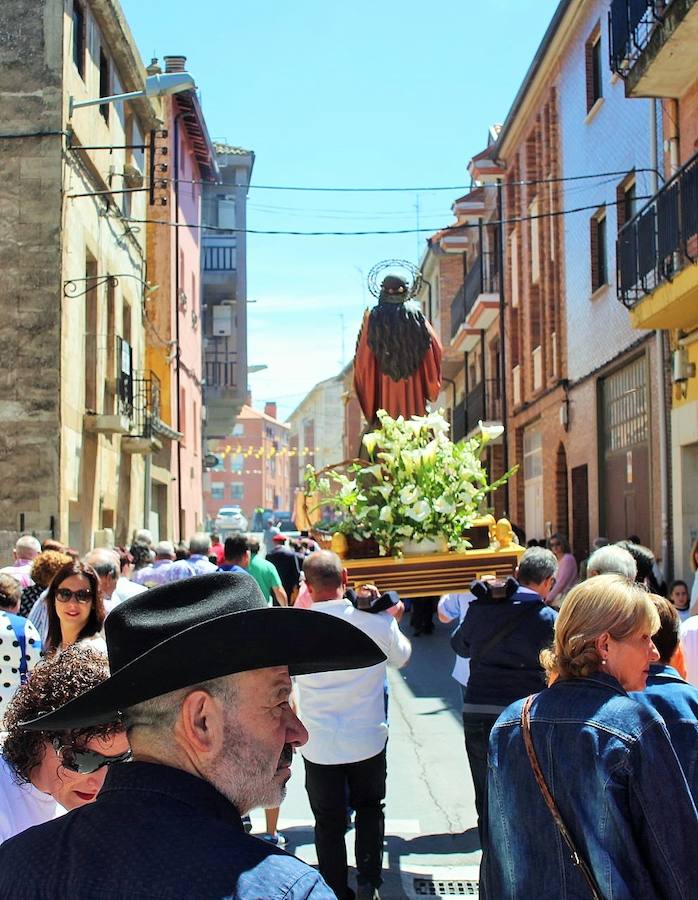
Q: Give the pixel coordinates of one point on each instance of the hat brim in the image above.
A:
(307, 641)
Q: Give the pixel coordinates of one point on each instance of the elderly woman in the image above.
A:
(75, 609)
(42, 774)
(567, 572)
(604, 762)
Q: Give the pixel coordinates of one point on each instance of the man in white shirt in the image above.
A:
(345, 714)
(25, 552)
(689, 643)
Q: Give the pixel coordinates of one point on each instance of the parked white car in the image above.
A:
(230, 518)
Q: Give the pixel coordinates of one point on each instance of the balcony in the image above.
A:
(655, 253)
(476, 305)
(219, 258)
(652, 45)
(225, 392)
(482, 404)
(144, 413)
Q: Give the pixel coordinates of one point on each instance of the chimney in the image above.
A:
(270, 410)
(175, 63)
(153, 68)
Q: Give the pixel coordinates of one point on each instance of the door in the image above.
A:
(625, 484)
(533, 483)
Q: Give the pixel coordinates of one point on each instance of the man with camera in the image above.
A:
(505, 628)
(346, 718)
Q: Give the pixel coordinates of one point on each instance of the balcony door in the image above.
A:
(533, 483)
(625, 453)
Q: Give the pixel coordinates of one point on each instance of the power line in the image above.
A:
(412, 190)
(512, 221)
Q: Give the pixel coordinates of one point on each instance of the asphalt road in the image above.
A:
(431, 844)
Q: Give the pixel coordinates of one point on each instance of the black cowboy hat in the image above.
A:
(206, 627)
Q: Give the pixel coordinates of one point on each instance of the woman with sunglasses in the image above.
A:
(43, 774)
(75, 609)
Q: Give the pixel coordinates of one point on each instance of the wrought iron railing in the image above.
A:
(219, 258)
(457, 311)
(482, 403)
(630, 26)
(458, 424)
(661, 239)
(145, 408)
(483, 278)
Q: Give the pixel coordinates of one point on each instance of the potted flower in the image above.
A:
(416, 492)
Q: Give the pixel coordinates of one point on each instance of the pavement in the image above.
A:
(431, 842)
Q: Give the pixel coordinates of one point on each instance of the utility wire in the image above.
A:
(413, 190)
(468, 225)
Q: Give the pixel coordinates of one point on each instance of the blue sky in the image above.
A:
(369, 94)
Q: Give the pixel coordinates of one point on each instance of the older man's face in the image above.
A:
(261, 732)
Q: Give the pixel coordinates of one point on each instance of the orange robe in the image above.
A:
(407, 397)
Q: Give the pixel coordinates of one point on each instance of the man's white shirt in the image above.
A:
(689, 642)
(344, 711)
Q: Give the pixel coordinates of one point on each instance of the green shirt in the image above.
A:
(265, 574)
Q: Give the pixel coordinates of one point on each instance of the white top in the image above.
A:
(694, 589)
(21, 805)
(689, 642)
(344, 711)
(455, 606)
(123, 590)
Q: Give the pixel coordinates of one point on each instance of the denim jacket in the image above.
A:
(609, 764)
(676, 701)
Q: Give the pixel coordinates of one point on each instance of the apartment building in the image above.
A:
(652, 54)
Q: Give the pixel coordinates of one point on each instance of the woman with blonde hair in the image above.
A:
(586, 797)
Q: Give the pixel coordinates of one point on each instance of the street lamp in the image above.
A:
(155, 86)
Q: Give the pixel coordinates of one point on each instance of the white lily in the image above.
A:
(420, 511)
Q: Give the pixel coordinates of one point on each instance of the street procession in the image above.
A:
(349, 434)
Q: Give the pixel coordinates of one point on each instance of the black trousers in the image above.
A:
(476, 728)
(328, 788)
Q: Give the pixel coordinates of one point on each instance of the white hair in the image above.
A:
(27, 547)
(612, 560)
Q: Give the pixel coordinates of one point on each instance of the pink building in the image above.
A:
(253, 465)
(174, 312)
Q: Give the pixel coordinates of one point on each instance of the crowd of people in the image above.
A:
(206, 665)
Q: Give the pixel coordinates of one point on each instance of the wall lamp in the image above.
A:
(155, 86)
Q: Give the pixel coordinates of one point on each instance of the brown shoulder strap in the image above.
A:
(577, 859)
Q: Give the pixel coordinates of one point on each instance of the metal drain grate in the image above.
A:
(430, 887)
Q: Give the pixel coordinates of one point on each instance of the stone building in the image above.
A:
(653, 50)
(73, 259)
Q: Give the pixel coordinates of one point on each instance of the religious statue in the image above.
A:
(397, 366)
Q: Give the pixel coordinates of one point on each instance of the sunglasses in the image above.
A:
(65, 595)
(85, 762)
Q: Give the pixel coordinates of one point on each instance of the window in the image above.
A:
(599, 271)
(535, 242)
(220, 465)
(237, 490)
(626, 200)
(237, 462)
(104, 83)
(238, 430)
(593, 67)
(217, 490)
(79, 38)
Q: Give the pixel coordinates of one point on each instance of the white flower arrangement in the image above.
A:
(416, 485)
